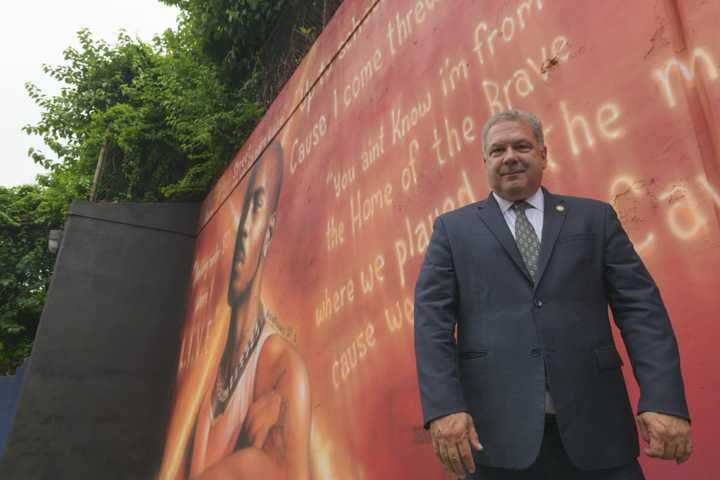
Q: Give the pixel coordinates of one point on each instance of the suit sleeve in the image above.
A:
(640, 314)
(436, 298)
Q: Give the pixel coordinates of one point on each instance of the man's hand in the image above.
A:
(263, 414)
(452, 437)
(668, 437)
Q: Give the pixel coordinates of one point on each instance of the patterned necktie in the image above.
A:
(526, 238)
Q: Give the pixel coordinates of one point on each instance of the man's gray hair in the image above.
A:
(514, 116)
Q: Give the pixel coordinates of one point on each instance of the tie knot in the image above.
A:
(520, 207)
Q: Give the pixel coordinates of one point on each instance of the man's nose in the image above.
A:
(510, 155)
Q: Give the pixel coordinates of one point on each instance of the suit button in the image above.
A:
(538, 303)
(535, 352)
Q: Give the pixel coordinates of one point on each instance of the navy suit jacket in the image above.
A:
(488, 337)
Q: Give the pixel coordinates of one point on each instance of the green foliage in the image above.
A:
(231, 33)
(26, 217)
(307, 32)
(168, 123)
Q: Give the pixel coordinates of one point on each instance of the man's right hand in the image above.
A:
(452, 437)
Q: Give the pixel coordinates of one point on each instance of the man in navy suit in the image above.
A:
(515, 354)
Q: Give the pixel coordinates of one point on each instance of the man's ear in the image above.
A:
(269, 232)
(544, 156)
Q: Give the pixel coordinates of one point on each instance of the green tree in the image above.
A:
(168, 123)
(264, 38)
(25, 268)
(231, 33)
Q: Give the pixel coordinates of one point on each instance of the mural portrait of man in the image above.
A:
(253, 419)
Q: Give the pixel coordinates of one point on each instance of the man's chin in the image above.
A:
(515, 191)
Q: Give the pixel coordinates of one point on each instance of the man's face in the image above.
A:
(257, 222)
(514, 160)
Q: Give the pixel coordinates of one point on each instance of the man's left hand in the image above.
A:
(668, 437)
(262, 416)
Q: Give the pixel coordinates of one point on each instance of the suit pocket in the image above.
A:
(608, 357)
(473, 354)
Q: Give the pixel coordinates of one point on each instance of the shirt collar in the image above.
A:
(537, 200)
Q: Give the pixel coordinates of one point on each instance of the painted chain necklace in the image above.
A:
(225, 384)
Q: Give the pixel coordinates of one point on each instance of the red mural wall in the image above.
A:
(317, 230)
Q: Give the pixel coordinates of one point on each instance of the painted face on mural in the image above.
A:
(514, 160)
(256, 226)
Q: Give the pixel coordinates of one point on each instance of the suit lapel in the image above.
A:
(491, 215)
(553, 220)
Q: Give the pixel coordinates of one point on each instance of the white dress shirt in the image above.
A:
(535, 216)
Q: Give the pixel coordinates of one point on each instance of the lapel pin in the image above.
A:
(560, 208)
